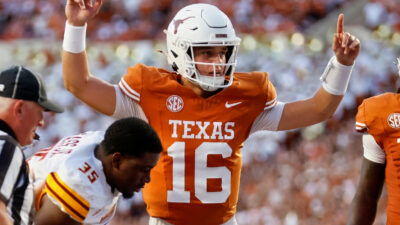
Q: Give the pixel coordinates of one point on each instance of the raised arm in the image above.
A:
(335, 80)
(93, 91)
(363, 206)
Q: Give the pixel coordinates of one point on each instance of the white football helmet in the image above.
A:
(200, 25)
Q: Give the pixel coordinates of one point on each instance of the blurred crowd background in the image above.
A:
(306, 176)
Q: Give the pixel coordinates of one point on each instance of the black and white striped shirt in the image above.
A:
(16, 189)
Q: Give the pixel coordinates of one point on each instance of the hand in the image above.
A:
(345, 45)
(78, 12)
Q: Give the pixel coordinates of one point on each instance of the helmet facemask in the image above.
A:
(202, 25)
(216, 80)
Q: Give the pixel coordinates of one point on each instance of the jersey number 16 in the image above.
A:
(201, 173)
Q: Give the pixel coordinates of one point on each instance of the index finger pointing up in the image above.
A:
(339, 29)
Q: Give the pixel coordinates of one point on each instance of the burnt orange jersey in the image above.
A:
(380, 117)
(196, 180)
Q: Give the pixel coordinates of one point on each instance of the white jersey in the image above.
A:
(73, 178)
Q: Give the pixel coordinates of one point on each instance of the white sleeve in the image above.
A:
(269, 119)
(126, 107)
(372, 151)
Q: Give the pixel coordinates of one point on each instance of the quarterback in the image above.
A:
(378, 118)
(80, 179)
(203, 110)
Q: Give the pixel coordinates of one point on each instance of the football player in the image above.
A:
(378, 118)
(203, 110)
(80, 179)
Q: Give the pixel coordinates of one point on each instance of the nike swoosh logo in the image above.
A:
(227, 105)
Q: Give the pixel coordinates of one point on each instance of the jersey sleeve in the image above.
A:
(361, 119)
(65, 197)
(132, 84)
(370, 116)
(269, 118)
(270, 92)
(372, 151)
(77, 196)
(11, 163)
(126, 106)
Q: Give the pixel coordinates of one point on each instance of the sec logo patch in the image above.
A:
(394, 120)
(174, 103)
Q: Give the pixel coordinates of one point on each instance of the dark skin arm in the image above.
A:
(51, 214)
(364, 204)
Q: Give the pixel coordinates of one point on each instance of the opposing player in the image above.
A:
(378, 118)
(203, 112)
(80, 179)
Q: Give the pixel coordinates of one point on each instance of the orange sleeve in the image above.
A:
(267, 87)
(271, 95)
(361, 120)
(132, 84)
(371, 116)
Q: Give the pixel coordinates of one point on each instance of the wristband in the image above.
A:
(74, 38)
(336, 77)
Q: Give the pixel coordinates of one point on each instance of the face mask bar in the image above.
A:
(214, 81)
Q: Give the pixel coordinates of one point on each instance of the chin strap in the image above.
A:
(210, 80)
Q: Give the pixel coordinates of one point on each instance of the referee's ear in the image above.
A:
(17, 109)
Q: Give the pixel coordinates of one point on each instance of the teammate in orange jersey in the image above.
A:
(80, 179)
(203, 111)
(378, 118)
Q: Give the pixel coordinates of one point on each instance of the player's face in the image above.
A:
(135, 173)
(210, 54)
(31, 115)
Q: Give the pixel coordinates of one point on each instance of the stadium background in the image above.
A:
(305, 176)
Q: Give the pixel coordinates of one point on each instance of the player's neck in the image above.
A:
(100, 154)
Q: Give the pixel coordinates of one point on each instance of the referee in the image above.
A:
(22, 103)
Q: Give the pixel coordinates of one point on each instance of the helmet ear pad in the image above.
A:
(201, 25)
